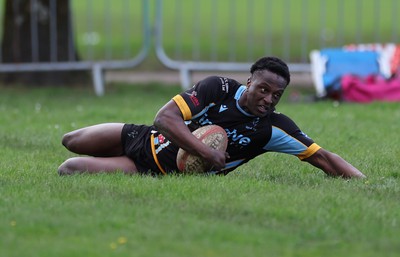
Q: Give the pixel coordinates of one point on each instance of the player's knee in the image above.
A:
(68, 167)
(68, 141)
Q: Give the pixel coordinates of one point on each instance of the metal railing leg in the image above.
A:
(98, 79)
(186, 78)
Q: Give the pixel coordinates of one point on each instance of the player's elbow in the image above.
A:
(166, 119)
(161, 118)
(168, 116)
(159, 121)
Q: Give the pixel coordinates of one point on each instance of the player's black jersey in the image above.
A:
(215, 100)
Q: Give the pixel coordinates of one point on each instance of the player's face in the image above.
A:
(264, 92)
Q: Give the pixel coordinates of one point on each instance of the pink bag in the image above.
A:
(370, 88)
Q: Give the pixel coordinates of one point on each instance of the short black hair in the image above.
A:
(272, 64)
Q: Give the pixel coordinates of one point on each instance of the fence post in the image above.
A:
(98, 79)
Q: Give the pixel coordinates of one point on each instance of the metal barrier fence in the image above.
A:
(107, 40)
(290, 29)
(211, 35)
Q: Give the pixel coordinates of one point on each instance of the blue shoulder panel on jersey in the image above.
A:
(284, 143)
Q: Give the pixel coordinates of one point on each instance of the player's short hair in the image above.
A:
(272, 64)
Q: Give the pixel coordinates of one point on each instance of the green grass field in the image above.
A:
(274, 206)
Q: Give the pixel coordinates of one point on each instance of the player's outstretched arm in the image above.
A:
(333, 165)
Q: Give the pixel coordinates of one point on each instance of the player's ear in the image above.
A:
(248, 81)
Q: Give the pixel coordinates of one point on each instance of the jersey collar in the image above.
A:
(238, 94)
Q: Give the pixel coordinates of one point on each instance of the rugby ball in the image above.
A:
(212, 135)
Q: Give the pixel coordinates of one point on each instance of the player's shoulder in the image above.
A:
(219, 83)
(282, 121)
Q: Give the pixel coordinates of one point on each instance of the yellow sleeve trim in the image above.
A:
(153, 151)
(185, 110)
(310, 151)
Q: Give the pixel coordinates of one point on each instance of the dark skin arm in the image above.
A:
(170, 123)
(333, 165)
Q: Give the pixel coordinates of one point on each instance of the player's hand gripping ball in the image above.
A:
(212, 135)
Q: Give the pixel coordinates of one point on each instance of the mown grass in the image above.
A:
(274, 206)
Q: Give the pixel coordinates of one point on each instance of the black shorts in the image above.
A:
(137, 146)
(151, 152)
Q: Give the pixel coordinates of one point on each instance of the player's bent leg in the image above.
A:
(99, 140)
(78, 165)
